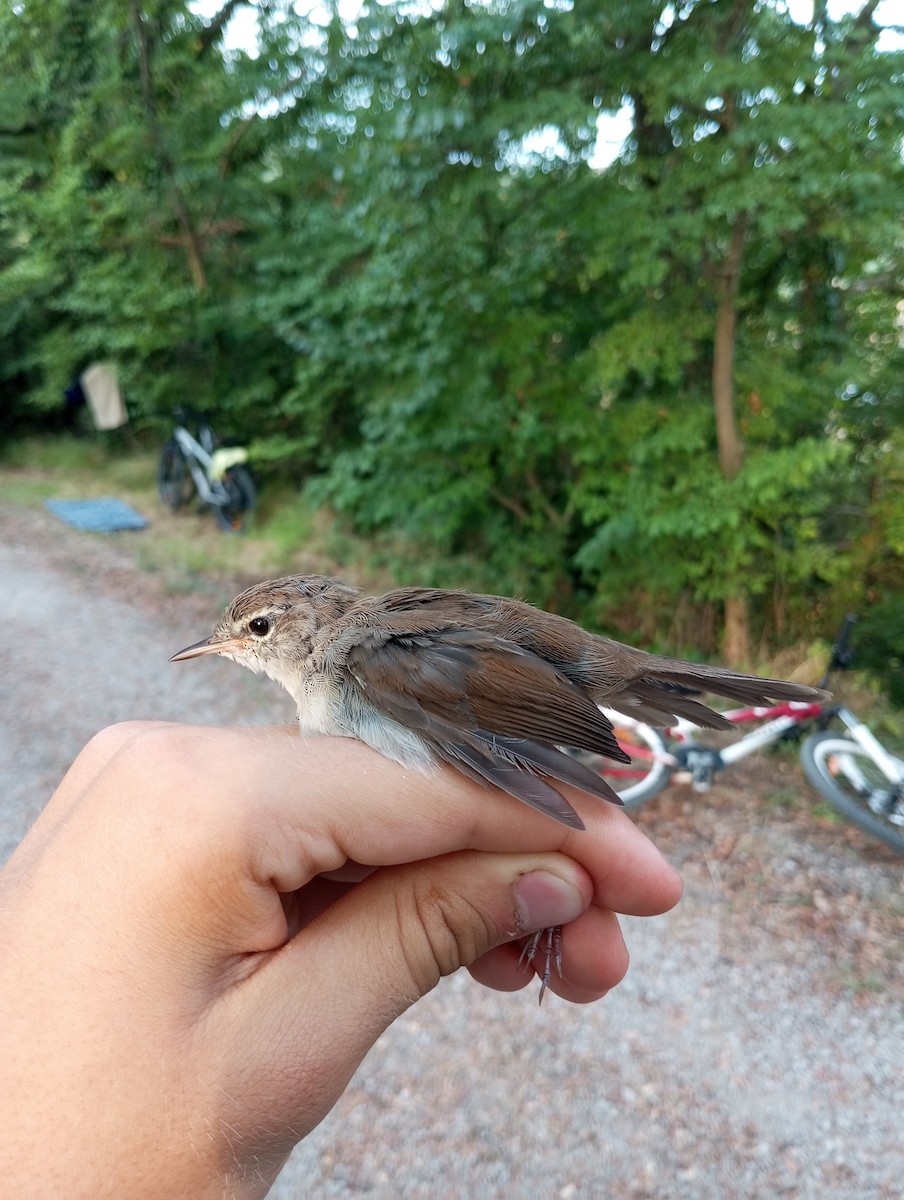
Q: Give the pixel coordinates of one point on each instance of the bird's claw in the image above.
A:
(553, 954)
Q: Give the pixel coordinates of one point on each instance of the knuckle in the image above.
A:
(454, 930)
(108, 742)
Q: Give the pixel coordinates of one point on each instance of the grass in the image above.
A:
(186, 548)
(784, 799)
(68, 467)
(822, 810)
(58, 456)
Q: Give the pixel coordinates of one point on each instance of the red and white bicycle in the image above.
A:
(850, 767)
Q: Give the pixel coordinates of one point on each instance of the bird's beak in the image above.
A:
(209, 645)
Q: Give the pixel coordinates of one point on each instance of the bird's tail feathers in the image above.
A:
(666, 689)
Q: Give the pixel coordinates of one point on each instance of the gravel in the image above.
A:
(754, 1050)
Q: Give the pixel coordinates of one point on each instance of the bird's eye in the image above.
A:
(259, 626)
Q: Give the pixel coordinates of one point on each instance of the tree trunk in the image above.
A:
(731, 448)
(736, 639)
(192, 241)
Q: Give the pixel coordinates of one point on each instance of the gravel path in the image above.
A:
(755, 1049)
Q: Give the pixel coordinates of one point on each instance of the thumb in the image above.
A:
(389, 940)
(386, 943)
(415, 923)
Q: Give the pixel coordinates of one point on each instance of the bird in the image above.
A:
(492, 686)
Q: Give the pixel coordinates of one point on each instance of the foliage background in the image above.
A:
(661, 394)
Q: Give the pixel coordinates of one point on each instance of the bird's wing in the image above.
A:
(471, 680)
(514, 765)
(509, 774)
(645, 686)
(488, 708)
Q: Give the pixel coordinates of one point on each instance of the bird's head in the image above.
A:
(270, 628)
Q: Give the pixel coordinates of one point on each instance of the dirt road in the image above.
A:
(755, 1049)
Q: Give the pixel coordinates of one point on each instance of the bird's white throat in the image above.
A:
(329, 710)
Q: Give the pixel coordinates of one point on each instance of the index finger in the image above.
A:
(310, 805)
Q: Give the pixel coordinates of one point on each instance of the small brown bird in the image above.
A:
(490, 685)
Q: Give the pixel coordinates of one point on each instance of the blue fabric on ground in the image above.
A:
(106, 514)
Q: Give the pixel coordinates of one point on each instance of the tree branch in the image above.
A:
(211, 32)
(238, 133)
(514, 506)
(864, 18)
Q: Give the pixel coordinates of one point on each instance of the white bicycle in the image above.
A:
(202, 465)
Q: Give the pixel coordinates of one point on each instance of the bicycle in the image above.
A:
(204, 465)
(855, 773)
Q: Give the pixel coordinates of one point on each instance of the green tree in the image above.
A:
(125, 205)
(379, 247)
(764, 183)
(624, 382)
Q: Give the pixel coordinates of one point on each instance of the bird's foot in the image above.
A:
(553, 954)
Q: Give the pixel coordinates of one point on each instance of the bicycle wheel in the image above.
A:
(646, 774)
(174, 481)
(235, 515)
(843, 772)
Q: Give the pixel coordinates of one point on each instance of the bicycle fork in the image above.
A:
(891, 767)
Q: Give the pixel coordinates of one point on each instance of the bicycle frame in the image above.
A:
(864, 737)
(702, 762)
(200, 463)
(780, 718)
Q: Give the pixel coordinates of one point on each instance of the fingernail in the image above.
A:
(543, 899)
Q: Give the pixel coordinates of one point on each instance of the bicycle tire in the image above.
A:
(174, 481)
(649, 770)
(235, 515)
(823, 756)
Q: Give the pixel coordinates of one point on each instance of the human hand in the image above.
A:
(184, 996)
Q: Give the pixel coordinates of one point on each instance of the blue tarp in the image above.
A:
(106, 514)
